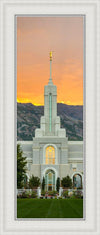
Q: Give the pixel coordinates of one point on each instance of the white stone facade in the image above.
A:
(65, 164)
(50, 141)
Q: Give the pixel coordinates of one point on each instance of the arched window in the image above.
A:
(50, 155)
(77, 181)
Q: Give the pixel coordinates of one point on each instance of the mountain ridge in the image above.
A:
(28, 119)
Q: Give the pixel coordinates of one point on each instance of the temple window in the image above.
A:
(50, 155)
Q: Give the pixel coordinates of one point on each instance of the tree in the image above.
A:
(66, 182)
(43, 183)
(21, 167)
(58, 184)
(34, 181)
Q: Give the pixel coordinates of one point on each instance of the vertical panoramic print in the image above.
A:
(50, 172)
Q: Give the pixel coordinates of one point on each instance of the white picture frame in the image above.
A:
(9, 225)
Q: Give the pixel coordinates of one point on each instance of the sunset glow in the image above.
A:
(36, 37)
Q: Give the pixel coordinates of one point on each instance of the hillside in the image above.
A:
(28, 119)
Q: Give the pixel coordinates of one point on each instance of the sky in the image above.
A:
(36, 37)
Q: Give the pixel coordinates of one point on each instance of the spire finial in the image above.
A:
(50, 79)
(50, 55)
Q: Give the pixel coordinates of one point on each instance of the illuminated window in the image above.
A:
(50, 155)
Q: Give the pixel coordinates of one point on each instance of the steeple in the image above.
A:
(50, 79)
(50, 122)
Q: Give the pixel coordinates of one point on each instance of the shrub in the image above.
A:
(43, 193)
(65, 193)
(78, 194)
(28, 194)
(33, 194)
(19, 196)
(24, 195)
(66, 182)
(70, 194)
(73, 196)
(34, 181)
(52, 193)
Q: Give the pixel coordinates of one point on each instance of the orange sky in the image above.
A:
(36, 37)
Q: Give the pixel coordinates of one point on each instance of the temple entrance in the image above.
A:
(50, 180)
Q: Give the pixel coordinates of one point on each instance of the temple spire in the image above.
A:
(50, 79)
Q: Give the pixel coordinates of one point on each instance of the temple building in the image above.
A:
(50, 154)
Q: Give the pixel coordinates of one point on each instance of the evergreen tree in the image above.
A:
(43, 183)
(21, 167)
(34, 181)
(66, 182)
(58, 184)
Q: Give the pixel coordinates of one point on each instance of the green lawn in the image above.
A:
(49, 208)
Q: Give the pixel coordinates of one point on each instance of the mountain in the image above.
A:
(28, 119)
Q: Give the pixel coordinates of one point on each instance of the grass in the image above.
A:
(49, 208)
